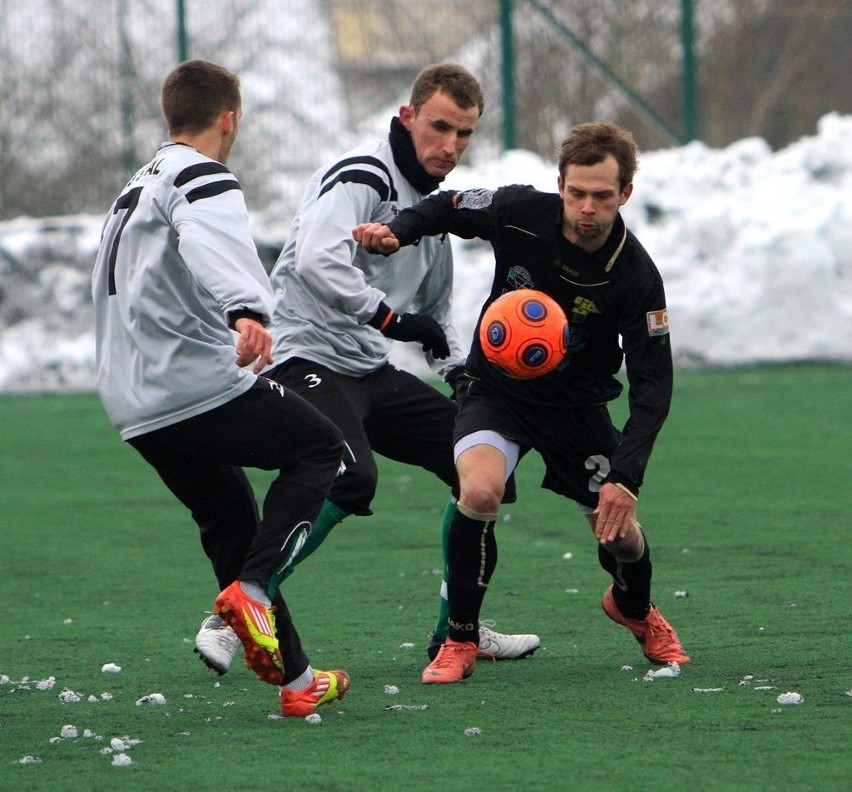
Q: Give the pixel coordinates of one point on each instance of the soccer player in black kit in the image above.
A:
(575, 247)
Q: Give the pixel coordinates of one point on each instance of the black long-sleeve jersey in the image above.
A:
(614, 300)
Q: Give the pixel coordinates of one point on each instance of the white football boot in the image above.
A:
(505, 647)
(494, 645)
(216, 644)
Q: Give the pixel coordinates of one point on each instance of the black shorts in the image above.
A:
(200, 459)
(389, 411)
(575, 444)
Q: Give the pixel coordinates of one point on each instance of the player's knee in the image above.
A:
(334, 441)
(630, 546)
(354, 489)
(326, 444)
(481, 496)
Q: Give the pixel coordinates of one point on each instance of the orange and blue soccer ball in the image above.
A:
(524, 333)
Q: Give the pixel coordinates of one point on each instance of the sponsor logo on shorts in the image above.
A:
(276, 386)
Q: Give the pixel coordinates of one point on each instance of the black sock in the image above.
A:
(631, 588)
(471, 559)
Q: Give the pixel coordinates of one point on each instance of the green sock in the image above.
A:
(442, 624)
(328, 517)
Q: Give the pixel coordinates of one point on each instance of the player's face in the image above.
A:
(440, 130)
(591, 198)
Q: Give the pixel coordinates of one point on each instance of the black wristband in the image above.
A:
(381, 317)
(234, 316)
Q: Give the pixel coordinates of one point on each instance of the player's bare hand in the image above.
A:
(254, 344)
(376, 237)
(615, 515)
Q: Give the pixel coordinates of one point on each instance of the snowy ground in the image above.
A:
(755, 247)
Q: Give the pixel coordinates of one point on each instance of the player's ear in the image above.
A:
(406, 116)
(227, 121)
(625, 194)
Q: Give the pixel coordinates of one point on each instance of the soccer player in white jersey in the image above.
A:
(339, 308)
(177, 274)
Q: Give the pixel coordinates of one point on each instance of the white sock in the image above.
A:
(255, 591)
(302, 681)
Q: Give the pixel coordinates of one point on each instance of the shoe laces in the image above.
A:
(487, 631)
(226, 638)
(449, 654)
(658, 627)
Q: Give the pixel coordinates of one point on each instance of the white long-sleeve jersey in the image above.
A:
(327, 287)
(176, 258)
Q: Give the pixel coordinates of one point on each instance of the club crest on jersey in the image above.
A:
(519, 278)
(658, 322)
(474, 199)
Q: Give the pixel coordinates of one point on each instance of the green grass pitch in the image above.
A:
(747, 509)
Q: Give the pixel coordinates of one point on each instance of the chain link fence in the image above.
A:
(80, 79)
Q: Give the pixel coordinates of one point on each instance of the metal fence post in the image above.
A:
(126, 72)
(690, 85)
(508, 74)
(182, 36)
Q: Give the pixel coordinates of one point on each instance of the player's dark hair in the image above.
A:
(589, 144)
(452, 79)
(195, 93)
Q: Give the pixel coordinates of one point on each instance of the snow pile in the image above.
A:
(755, 247)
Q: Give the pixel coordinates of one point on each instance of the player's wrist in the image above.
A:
(235, 316)
(382, 317)
(625, 489)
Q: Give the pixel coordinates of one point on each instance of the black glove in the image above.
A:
(455, 379)
(422, 328)
(412, 327)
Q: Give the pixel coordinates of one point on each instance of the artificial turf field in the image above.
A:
(747, 509)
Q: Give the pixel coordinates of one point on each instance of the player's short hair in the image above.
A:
(589, 144)
(452, 79)
(194, 95)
